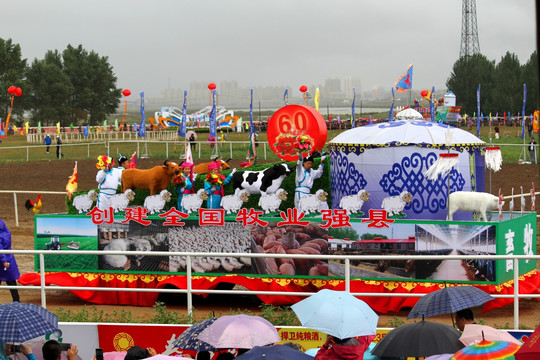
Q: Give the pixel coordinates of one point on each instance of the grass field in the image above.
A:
(68, 262)
(16, 148)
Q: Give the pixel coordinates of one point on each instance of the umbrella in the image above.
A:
(274, 352)
(440, 357)
(474, 333)
(409, 114)
(37, 345)
(188, 339)
(337, 313)
(240, 331)
(189, 133)
(419, 339)
(166, 357)
(449, 300)
(114, 355)
(530, 350)
(22, 322)
(492, 350)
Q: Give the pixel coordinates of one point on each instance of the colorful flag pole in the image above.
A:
(252, 130)
(71, 186)
(478, 112)
(142, 126)
(9, 113)
(432, 104)
(391, 114)
(523, 111)
(353, 101)
(317, 99)
(182, 129)
(212, 118)
(286, 97)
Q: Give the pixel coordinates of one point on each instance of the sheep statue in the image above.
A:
(83, 203)
(155, 203)
(233, 203)
(353, 203)
(270, 203)
(310, 203)
(480, 202)
(192, 202)
(394, 205)
(120, 202)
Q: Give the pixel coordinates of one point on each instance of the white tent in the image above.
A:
(388, 158)
(409, 114)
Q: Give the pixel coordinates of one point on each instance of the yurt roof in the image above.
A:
(409, 114)
(406, 132)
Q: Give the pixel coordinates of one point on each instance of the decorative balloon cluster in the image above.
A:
(303, 88)
(126, 92)
(14, 91)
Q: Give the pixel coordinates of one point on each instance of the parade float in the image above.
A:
(367, 172)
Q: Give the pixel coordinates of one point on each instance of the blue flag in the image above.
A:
(523, 111)
(252, 130)
(405, 82)
(285, 97)
(142, 127)
(353, 101)
(432, 104)
(86, 131)
(182, 130)
(478, 112)
(391, 114)
(212, 119)
(135, 127)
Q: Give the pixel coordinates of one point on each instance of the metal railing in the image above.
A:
(189, 290)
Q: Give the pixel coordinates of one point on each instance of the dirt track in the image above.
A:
(53, 175)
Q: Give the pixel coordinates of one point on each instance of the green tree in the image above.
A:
(508, 88)
(467, 73)
(12, 73)
(343, 233)
(368, 236)
(529, 76)
(51, 91)
(95, 94)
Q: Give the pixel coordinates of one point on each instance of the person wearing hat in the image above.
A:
(305, 176)
(184, 183)
(47, 141)
(107, 179)
(213, 185)
(59, 154)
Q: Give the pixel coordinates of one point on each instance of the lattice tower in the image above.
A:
(469, 30)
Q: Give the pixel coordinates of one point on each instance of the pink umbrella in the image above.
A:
(166, 357)
(240, 331)
(474, 333)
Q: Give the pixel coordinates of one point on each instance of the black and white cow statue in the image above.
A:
(262, 182)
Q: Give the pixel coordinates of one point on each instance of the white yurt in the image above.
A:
(388, 159)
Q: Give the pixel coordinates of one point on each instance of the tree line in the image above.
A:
(74, 86)
(501, 84)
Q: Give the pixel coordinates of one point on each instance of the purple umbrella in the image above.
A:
(240, 331)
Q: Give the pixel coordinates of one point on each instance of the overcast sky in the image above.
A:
(156, 44)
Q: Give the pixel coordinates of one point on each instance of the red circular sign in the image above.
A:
(293, 124)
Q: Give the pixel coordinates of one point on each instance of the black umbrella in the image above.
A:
(419, 339)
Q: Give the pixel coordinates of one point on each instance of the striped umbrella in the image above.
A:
(488, 350)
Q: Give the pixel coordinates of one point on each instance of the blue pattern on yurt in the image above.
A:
(346, 179)
(428, 195)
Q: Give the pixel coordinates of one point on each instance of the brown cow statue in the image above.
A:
(154, 179)
(202, 168)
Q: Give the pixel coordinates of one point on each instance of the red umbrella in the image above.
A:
(530, 350)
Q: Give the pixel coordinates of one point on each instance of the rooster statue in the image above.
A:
(35, 206)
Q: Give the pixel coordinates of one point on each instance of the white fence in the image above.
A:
(189, 290)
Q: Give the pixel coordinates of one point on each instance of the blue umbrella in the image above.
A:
(274, 352)
(188, 339)
(22, 322)
(449, 300)
(337, 313)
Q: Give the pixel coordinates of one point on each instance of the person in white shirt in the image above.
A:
(305, 176)
(108, 180)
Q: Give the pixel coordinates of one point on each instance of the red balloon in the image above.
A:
(126, 92)
(18, 91)
(211, 86)
(303, 88)
(423, 93)
(11, 90)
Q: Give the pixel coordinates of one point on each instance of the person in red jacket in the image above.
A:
(344, 349)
